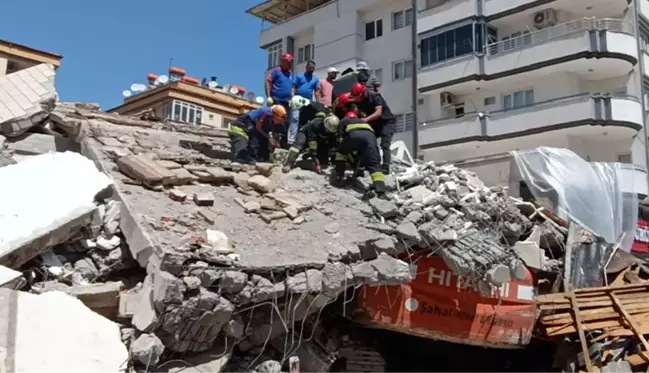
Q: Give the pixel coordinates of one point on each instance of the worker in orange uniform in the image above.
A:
(251, 134)
(359, 144)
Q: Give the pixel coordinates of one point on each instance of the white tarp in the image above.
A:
(588, 193)
(55, 332)
(43, 193)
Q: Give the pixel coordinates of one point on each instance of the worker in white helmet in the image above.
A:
(318, 135)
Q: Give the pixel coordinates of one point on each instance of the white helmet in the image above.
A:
(331, 123)
(298, 102)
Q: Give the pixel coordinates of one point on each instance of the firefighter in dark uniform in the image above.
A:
(250, 134)
(308, 109)
(342, 104)
(359, 143)
(379, 116)
(318, 135)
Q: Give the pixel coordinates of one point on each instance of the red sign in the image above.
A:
(439, 304)
(641, 239)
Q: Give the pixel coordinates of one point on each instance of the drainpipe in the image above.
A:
(415, 130)
(636, 17)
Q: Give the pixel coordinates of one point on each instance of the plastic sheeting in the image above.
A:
(588, 193)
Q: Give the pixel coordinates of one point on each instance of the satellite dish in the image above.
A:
(127, 93)
(259, 100)
(234, 90)
(212, 84)
(163, 79)
(138, 87)
(134, 87)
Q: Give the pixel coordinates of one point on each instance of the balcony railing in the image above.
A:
(565, 29)
(470, 116)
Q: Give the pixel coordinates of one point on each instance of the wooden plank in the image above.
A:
(595, 314)
(632, 323)
(598, 302)
(580, 331)
(590, 292)
(569, 328)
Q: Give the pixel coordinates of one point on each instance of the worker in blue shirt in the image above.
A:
(250, 134)
(307, 85)
(279, 85)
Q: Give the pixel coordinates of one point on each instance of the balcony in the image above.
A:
(445, 13)
(585, 109)
(610, 42)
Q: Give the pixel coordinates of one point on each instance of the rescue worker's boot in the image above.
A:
(338, 176)
(293, 153)
(378, 183)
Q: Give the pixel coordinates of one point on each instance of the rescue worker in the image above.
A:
(359, 142)
(342, 104)
(250, 134)
(308, 109)
(319, 134)
(379, 116)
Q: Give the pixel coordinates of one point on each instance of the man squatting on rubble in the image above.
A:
(318, 133)
(358, 146)
(250, 134)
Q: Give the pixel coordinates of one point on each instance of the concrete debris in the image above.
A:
(11, 279)
(147, 350)
(67, 335)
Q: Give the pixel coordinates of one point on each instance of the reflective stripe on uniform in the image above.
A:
(294, 149)
(238, 131)
(359, 126)
(340, 157)
(377, 176)
(313, 145)
(320, 114)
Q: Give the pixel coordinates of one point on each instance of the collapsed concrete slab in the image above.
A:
(49, 199)
(67, 336)
(27, 98)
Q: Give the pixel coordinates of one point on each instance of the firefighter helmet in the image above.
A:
(358, 90)
(344, 100)
(331, 123)
(351, 114)
(298, 102)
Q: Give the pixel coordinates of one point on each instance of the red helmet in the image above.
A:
(358, 90)
(351, 114)
(287, 57)
(344, 100)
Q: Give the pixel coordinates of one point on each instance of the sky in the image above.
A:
(109, 45)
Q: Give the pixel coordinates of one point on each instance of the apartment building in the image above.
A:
(15, 57)
(183, 99)
(493, 75)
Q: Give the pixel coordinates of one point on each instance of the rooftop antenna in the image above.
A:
(126, 93)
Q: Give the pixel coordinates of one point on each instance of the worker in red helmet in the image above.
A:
(343, 104)
(358, 146)
(280, 86)
(251, 134)
(379, 116)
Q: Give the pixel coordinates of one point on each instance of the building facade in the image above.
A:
(495, 75)
(186, 101)
(16, 57)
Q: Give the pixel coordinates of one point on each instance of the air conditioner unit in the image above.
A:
(447, 99)
(545, 18)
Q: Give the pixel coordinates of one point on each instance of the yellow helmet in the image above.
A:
(331, 123)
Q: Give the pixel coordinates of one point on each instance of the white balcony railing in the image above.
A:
(565, 29)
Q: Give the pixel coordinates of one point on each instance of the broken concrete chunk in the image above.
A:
(170, 165)
(336, 277)
(251, 207)
(167, 289)
(86, 268)
(219, 242)
(147, 350)
(305, 282)
(111, 217)
(391, 271)
(108, 244)
(269, 217)
(234, 328)
(383, 208)
(208, 215)
(262, 184)
(241, 179)
(530, 253)
(204, 199)
(269, 366)
(220, 176)
(182, 177)
(143, 169)
(408, 231)
(177, 195)
(11, 279)
(66, 328)
(291, 211)
(498, 275)
(419, 193)
(266, 169)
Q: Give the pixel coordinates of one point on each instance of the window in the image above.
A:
(518, 99)
(378, 73)
(401, 19)
(305, 53)
(624, 158)
(447, 45)
(373, 29)
(274, 53)
(401, 70)
(184, 112)
(489, 101)
(434, 3)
